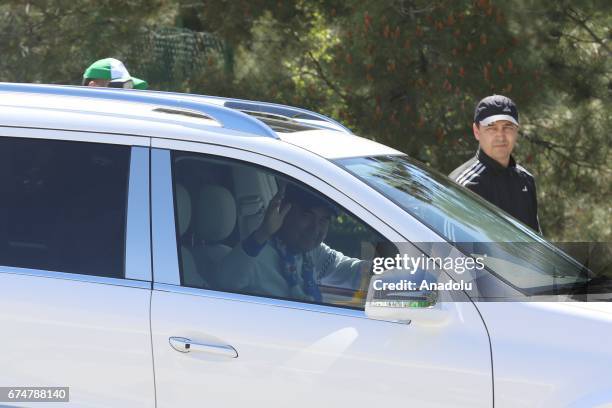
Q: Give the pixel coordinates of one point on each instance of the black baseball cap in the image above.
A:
(494, 108)
(306, 199)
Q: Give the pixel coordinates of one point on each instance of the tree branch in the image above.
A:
(559, 150)
(574, 16)
(322, 75)
(321, 72)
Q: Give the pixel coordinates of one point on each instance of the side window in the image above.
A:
(245, 229)
(63, 206)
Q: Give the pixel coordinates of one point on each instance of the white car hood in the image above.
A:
(549, 354)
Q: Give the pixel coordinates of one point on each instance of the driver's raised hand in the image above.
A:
(274, 216)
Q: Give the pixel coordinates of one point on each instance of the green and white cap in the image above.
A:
(114, 71)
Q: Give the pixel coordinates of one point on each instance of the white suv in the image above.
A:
(125, 216)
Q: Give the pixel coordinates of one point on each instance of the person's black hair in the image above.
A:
(295, 194)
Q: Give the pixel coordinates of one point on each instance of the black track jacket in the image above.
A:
(510, 188)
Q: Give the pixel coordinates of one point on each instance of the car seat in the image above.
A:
(214, 222)
(191, 274)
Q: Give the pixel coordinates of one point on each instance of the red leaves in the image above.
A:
(487, 73)
(387, 33)
(499, 17)
(378, 111)
(421, 122)
(447, 86)
(393, 117)
(367, 21)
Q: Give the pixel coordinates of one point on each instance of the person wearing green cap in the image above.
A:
(111, 73)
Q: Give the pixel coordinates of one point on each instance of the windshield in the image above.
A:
(512, 251)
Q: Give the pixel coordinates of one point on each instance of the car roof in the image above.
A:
(333, 145)
(178, 116)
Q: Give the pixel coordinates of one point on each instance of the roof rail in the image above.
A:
(289, 112)
(226, 117)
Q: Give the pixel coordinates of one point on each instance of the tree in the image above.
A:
(404, 72)
(53, 41)
(409, 73)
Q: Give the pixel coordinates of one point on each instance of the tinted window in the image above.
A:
(316, 252)
(63, 206)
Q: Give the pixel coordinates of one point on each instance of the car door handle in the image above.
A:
(184, 345)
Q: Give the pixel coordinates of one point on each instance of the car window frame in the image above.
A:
(166, 276)
(137, 271)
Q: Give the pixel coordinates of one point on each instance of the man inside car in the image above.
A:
(286, 257)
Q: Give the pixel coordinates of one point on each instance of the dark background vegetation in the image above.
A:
(405, 73)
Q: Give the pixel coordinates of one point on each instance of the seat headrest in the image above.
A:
(216, 213)
(183, 204)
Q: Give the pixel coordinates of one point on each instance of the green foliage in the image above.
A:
(166, 56)
(410, 73)
(569, 124)
(53, 41)
(406, 73)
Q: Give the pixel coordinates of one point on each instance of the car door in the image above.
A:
(75, 274)
(231, 348)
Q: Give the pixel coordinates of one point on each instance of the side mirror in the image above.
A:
(400, 297)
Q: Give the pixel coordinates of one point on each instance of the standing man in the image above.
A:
(492, 173)
(111, 73)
